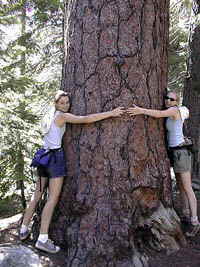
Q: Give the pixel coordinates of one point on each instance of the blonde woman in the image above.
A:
(180, 155)
(54, 128)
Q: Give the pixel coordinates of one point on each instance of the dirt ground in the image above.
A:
(188, 256)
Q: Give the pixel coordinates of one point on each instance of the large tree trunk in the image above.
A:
(116, 204)
(192, 101)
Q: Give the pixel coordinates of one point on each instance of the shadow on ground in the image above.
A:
(9, 234)
(188, 256)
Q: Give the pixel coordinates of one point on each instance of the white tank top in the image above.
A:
(53, 139)
(174, 132)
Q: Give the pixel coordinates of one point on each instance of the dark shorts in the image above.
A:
(56, 166)
(181, 160)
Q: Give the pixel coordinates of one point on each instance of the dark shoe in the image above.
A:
(47, 246)
(194, 229)
(185, 219)
(24, 236)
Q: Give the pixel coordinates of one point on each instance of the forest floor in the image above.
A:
(188, 256)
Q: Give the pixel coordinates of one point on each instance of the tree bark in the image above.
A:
(116, 205)
(191, 99)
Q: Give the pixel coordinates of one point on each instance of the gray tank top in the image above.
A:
(53, 138)
(174, 132)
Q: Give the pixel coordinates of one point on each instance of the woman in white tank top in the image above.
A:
(181, 157)
(53, 129)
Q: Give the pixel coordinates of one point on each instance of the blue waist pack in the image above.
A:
(41, 158)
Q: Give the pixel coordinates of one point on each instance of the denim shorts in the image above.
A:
(56, 166)
(181, 160)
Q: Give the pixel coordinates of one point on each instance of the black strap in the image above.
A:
(178, 147)
(40, 184)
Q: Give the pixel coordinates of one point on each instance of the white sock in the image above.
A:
(23, 228)
(43, 237)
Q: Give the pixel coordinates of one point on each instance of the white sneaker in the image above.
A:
(47, 246)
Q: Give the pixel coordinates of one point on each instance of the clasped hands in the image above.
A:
(135, 110)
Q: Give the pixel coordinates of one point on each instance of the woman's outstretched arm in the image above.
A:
(71, 118)
(135, 110)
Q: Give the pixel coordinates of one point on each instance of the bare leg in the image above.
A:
(55, 186)
(34, 200)
(183, 196)
(185, 180)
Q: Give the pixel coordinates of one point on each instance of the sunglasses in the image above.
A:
(170, 98)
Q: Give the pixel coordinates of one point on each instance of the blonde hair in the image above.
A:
(59, 94)
(49, 115)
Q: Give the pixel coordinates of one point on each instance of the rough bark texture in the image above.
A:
(192, 101)
(116, 204)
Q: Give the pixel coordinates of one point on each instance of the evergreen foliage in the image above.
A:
(30, 70)
(182, 19)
